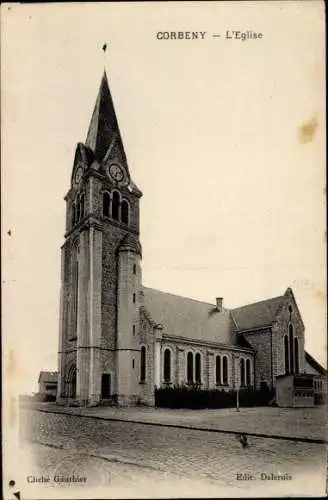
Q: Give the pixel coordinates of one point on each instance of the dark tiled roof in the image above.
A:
(130, 242)
(315, 364)
(189, 318)
(103, 127)
(257, 314)
(48, 376)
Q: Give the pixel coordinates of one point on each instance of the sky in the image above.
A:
(224, 137)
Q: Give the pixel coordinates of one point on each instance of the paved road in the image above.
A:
(163, 458)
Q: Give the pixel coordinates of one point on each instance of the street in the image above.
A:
(146, 460)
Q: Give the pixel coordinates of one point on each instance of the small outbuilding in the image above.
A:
(48, 383)
(295, 390)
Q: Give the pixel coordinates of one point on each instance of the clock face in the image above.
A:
(78, 175)
(116, 172)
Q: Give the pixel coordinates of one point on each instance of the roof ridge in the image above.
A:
(258, 302)
(180, 296)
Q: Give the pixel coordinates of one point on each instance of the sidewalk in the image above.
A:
(303, 424)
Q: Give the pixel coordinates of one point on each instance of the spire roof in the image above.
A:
(103, 128)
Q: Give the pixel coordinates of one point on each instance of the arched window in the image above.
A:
(75, 288)
(143, 364)
(73, 214)
(291, 349)
(82, 205)
(116, 206)
(125, 209)
(218, 370)
(248, 372)
(242, 371)
(225, 370)
(198, 368)
(286, 349)
(106, 204)
(167, 365)
(296, 355)
(190, 368)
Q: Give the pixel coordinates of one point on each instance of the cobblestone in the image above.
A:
(211, 459)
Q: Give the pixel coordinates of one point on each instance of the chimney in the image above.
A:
(219, 304)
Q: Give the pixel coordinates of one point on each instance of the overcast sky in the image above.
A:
(225, 138)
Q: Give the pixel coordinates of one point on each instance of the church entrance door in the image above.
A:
(105, 386)
(71, 382)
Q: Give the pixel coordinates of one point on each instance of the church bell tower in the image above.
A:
(100, 269)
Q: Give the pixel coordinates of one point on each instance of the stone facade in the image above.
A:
(118, 340)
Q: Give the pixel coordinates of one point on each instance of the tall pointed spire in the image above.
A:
(103, 128)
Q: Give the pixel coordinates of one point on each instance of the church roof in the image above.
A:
(258, 314)
(315, 364)
(185, 317)
(103, 129)
(130, 242)
(48, 376)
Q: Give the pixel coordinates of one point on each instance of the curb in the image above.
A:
(188, 427)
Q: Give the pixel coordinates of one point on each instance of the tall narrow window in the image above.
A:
(134, 269)
(198, 368)
(134, 329)
(134, 298)
(190, 367)
(218, 370)
(82, 206)
(291, 349)
(296, 355)
(73, 214)
(242, 371)
(77, 209)
(248, 372)
(116, 206)
(225, 370)
(142, 364)
(167, 365)
(125, 212)
(106, 204)
(286, 349)
(75, 289)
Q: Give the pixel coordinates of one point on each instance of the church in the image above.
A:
(119, 340)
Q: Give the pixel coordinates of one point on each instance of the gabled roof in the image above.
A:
(48, 376)
(188, 318)
(315, 364)
(258, 314)
(104, 129)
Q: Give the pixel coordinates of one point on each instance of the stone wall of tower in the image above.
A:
(128, 324)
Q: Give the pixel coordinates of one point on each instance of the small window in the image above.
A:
(248, 372)
(134, 269)
(242, 372)
(133, 363)
(82, 205)
(73, 214)
(116, 205)
(125, 212)
(190, 368)
(225, 370)
(142, 364)
(198, 368)
(106, 204)
(134, 298)
(77, 211)
(218, 370)
(167, 365)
